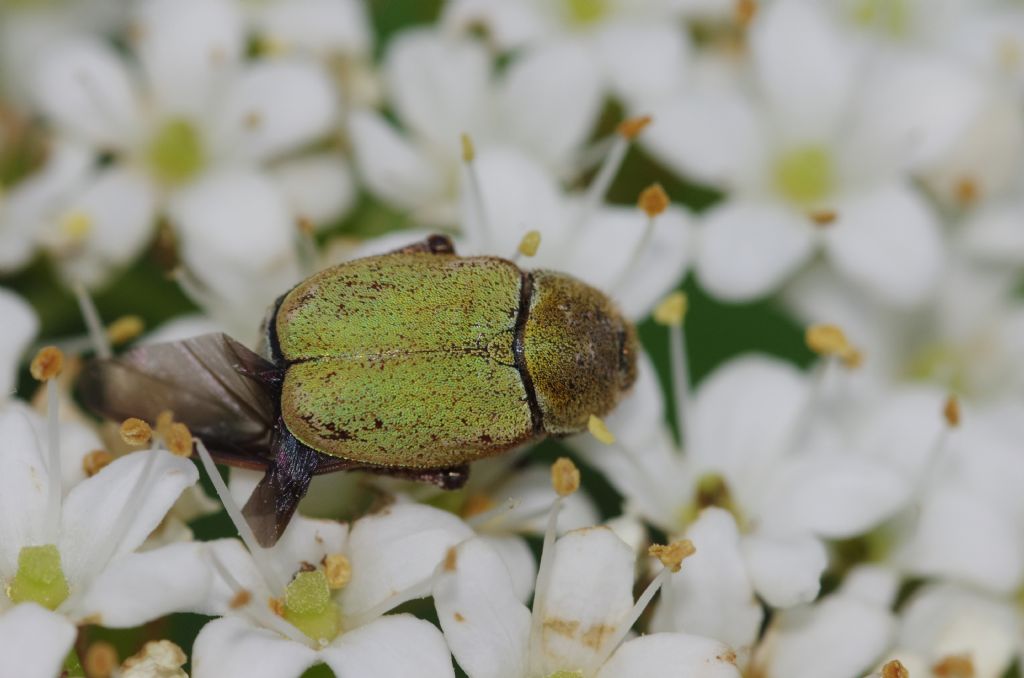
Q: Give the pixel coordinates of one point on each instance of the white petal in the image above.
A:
(328, 27)
(989, 552)
(485, 624)
(308, 540)
(549, 101)
(805, 67)
(837, 638)
(389, 647)
(785, 570)
(238, 237)
(834, 496)
(518, 195)
(914, 109)
(20, 327)
(231, 648)
(438, 86)
(34, 641)
(113, 512)
(743, 417)
(887, 241)
(87, 91)
(120, 206)
(189, 49)
(616, 255)
(712, 594)
(25, 489)
(671, 655)
(319, 188)
(588, 599)
(749, 249)
(518, 557)
(394, 552)
(712, 135)
(645, 61)
(275, 107)
(393, 169)
(139, 587)
(531, 486)
(942, 620)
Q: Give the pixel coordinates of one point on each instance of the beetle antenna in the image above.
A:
(476, 194)
(671, 312)
(627, 131)
(98, 335)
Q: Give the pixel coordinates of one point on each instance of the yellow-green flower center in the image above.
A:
(891, 17)
(805, 174)
(712, 490)
(308, 606)
(586, 12)
(176, 152)
(39, 578)
(566, 674)
(940, 363)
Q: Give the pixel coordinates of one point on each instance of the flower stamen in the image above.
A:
(598, 429)
(671, 312)
(476, 193)
(100, 343)
(46, 366)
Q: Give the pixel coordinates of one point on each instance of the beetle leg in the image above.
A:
(432, 244)
(447, 479)
(289, 471)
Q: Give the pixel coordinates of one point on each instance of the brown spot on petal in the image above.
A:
(563, 627)
(240, 599)
(823, 217)
(632, 127)
(450, 560)
(954, 666)
(95, 461)
(595, 636)
(728, 657)
(966, 192)
(459, 617)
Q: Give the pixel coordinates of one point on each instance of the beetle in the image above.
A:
(412, 364)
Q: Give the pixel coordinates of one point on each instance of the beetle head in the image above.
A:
(580, 352)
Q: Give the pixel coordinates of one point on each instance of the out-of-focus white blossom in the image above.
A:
(20, 327)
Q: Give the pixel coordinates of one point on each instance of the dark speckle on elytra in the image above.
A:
(377, 423)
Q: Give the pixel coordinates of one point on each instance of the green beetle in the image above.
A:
(413, 363)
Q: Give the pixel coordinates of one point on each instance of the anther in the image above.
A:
(240, 599)
(599, 430)
(96, 461)
(671, 311)
(653, 200)
(338, 570)
(157, 657)
(124, 329)
(135, 431)
(100, 660)
(746, 10)
(966, 192)
(954, 666)
(672, 555)
(276, 606)
(565, 477)
(823, 217)
(895, 669)
(951, 411)
(830, 341)
(529, 244)
(178, 439)
(47, 364)
(631, 128)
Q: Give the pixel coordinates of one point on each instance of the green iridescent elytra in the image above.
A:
(428, 360)
(411, 364)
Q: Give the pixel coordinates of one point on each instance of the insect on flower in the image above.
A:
(412, 364)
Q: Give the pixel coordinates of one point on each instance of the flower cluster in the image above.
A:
(813, 210)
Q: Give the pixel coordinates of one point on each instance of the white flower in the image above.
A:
(945, 630)
(582, 613)
(330, 28)
(321, 595)
(815, 153)
(840, 636)
(440, 88)
(73, 551)
(200, 136)
(635, 50)
(763, 475)
(633, 256)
